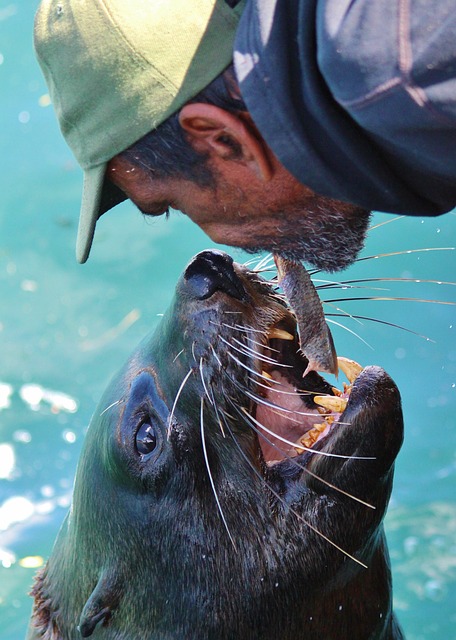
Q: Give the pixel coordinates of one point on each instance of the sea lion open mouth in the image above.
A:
(292, 409)
(207, 506)
(257, 348)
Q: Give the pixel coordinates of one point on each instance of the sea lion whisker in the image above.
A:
(254, 352)
(342, 326)
(241, 364)
(193, 351)
(238, 327)
(180, 353)
(251, 261)
(262, 262)
(395, 253)
(345, 286)
(391, 299)
(279, 412)
(268, 380)
(216, 356)
(266, 260)
(179, 391)
(260, 344)
(247, 329)
(211, 479)
(297, 392)
(246, 351)
(388, 221)
(277, 407)
(222, 324)
(402, 253)
(331, 284)
(389, 324)
(203, 381)
(301, 446)
(214, 404)
(244, 366)
(229, 415)
(347, 314)
(293, 511)
(113, 404)
(413, 280)
(333, 486)
(308, 471)
(278, 364)
(264, 269)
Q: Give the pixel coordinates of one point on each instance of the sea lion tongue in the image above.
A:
(315, 338)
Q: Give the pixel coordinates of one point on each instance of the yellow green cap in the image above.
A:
(116, 69)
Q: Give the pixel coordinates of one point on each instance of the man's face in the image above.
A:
(280, 216)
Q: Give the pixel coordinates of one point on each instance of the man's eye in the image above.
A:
(159, 210)
(146, 439)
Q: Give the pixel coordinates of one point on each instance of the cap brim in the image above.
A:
(98, 196)
(90, 207)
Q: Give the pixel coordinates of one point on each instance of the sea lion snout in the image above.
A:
(212, 271)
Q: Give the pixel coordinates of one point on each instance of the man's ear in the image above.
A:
(226, 135)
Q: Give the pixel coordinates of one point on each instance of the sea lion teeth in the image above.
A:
(310, 438)
(267, 375)
(281, 334)
(318, 428)
(333, 403)
(336, 391)
(351, 368)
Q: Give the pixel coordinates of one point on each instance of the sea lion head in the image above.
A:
(206, 505)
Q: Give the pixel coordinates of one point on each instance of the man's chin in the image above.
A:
(330, 244)
(324, 262)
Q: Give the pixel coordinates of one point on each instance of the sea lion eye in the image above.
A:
(146, 439)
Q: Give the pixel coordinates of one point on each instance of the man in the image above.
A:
(332, 108)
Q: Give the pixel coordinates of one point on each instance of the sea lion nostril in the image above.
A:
(212, 271)
(215, 256)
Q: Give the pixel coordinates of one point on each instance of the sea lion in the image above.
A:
(191, 520)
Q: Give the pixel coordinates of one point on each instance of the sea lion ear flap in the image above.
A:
(103, 600)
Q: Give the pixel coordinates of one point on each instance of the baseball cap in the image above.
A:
(116, 69)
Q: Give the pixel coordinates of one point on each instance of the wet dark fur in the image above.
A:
(144, 553)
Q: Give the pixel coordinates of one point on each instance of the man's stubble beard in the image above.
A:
(328, 236)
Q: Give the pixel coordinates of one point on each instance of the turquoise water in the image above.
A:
(65, 329)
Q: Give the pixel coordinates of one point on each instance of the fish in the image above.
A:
(316, 341)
